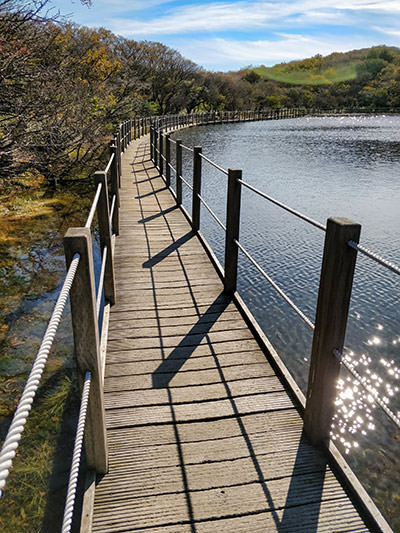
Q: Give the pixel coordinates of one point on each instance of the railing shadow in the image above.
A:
(168, 250)
(157, 215)
(307, 479)
(152, 193)
(303, 498)
(179, 355)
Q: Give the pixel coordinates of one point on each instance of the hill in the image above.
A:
(334, 68)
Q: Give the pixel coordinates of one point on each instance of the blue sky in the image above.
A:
(221, 35)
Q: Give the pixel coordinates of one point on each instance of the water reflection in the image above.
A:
(355, 400)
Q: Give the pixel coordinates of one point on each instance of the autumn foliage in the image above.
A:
(64, 88)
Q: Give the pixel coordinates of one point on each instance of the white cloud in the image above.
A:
(249, 15)
(388, 31)
(225, 53)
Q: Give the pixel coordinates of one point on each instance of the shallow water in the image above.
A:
(334, 166)
(32, 269)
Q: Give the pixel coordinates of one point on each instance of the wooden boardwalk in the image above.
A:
(202, 435)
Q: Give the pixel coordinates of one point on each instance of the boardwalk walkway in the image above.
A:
(202, 435)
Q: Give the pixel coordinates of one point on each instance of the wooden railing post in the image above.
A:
(178, 166)
(103, 217)
(232, 230)
(115, 188)
(196, 188)
(86, 343)
(167, 160)
(335, 286)
(161, 158)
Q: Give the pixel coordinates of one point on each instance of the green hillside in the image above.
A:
(293, 76)
(335, 68)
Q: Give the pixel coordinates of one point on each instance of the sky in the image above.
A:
(223, 36)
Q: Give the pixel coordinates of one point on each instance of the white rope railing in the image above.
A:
(112, 208)
(101, 280)
(363, 382)
(94, 206)
(14, 434)
(109, 163)
(76, 458)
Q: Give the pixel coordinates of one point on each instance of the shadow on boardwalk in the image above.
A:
(293, 514)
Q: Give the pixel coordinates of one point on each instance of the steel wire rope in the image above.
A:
(187, 148)
(275, 286)
(375, 257)
(76, 458)
(16, 428)
(218, 167)
(186, 183)
(283, 206)
(342, 358)
(211, 212)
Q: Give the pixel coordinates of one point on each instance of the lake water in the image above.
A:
(333, 166)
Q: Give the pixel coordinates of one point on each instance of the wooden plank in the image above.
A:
(202, 435)
(195, 393)
(140, 366)
(185, 378)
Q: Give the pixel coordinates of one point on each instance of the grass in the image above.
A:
(288, 73)
(26, 494)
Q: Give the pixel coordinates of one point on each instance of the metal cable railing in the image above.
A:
(283, 206)
(211, 212)
(218, 167)
(172, 167)
(375, 257)
(16, 428)
(76, 458)
(275, 286)
(94, 206)
(186, 183)
(372, 255)
(187, 148)
(368, 388)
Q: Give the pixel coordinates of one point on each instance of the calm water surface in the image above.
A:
(334, 166)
